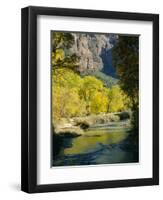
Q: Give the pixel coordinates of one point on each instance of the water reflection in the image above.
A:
(96, 146)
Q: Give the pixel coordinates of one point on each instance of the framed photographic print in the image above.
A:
(90, 99)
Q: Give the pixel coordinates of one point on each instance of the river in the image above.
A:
(96, 146)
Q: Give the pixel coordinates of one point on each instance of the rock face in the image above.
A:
(94, 51)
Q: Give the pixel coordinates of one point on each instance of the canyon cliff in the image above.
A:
(95, 52)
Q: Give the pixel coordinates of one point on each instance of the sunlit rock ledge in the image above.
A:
(76, 126)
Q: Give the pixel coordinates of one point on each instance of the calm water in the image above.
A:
(96, 146)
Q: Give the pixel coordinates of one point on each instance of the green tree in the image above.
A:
(126, 61)
(61, 42)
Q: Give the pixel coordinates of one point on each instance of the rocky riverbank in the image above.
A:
(76, 126)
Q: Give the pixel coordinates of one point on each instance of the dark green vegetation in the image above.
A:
(107, 80)
(126, 61)
(92, 110)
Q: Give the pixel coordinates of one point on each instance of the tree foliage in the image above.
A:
(117, 99)
(92, 91)
(108, 81)
(73, 95)
(61, 42)
(126, 61)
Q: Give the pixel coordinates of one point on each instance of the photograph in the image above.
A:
(90, 99)
(94, 98)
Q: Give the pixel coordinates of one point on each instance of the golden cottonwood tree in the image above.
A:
(73, 95)
(116, 99)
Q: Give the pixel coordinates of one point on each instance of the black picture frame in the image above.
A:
(29, 99)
